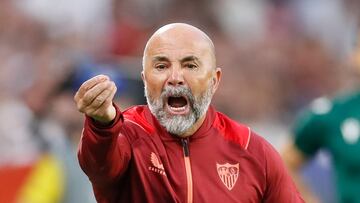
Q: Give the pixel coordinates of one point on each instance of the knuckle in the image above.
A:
(107, 92)
(87, 99)
(98, 100)
(83, 86)
(104, 84)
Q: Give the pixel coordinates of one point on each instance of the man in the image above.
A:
(177, 148)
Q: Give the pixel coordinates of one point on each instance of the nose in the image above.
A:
(176, 77)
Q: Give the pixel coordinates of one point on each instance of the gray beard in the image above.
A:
(179, 124)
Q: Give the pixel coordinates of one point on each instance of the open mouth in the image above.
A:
(178, 104)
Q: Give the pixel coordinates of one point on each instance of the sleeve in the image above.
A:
(309, 131)
(279, 185)
(104, 152)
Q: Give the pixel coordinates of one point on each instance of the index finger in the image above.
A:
(91, 83)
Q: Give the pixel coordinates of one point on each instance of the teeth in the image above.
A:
(178, 108)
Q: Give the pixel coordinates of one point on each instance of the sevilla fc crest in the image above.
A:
(228, 174)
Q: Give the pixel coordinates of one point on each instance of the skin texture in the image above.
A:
(175, 55)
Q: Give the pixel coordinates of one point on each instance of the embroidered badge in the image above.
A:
(228, 174)
(157, 166)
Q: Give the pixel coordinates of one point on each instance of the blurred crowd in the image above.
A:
(276, 56)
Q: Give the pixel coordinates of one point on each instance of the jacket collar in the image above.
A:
(166, 136)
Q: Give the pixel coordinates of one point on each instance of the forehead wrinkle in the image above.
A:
(162, 43)
(177, 33)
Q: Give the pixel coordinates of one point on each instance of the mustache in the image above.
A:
(180, 91)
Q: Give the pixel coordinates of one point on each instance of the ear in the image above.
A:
(216, 79)
(143, 76)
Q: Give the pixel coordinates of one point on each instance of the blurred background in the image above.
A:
(276, 56)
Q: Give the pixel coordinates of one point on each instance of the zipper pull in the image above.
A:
(185, 145)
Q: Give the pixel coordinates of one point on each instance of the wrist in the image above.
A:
(107, 119)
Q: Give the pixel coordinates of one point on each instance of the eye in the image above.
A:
(191, 66)
(160, 67)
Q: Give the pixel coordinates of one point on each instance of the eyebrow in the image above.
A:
(183, 60)
(190, 58)
(160, 58)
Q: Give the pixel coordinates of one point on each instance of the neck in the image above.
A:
(194, 128)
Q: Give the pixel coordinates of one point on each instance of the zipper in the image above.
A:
(185, 145)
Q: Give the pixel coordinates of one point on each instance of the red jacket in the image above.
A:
(136, 160)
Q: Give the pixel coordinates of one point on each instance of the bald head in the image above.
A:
(180, 35)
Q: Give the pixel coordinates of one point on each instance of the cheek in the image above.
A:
(201, 88)
(199, 85)
(154, 86)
